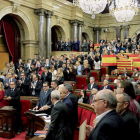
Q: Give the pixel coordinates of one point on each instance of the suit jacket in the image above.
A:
(47, 98)
(61, 80)
(15, 99)
(94, 86)
(33, 61)
(17, 66)
(67, 101)
(75, 107)
(7, 81)
(131, 125)
(109, 80)
(60, 45)
(47, 78)
(65, 74)
(134, 74)
(37, 88)
(59, 128)
(24, 87)
(123, 74)
(76, 45)
(110, 127)
(84, 48)
(108, 87)
(85, 99)
(90, 98)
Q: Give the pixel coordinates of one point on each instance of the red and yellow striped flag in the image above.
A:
(109, 60)
(136, 63)
(96, 45)
(121, 64)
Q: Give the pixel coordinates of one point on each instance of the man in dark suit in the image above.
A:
(59, 128)
(18, 64)
(105, 85)
(92, 96)
(102, 40)
(124, 72)
(46, 75)
(13, 97)
(130, 121)
(67, 45)
(24, 84)
(44, 102)
(65, 72)
(35, 86)
(66, 100)
(60, 45)
(84, 46)
(92, 84)
(75, 105)
(108, 124)
(107, 78)
(7, 82)
(34, 60)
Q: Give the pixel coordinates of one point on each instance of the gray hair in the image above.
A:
(92, 78)
(64, 90)
(55, 95)
(126, 97)
(69, 87)
(111, 99)
(95, 89)
(135, 87)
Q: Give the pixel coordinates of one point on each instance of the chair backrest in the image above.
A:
(81, 80)
(25, 106)
(96, 75)
(77, 92)
(87, 112)
(104, 70)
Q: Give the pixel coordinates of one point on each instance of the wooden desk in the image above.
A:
(7, 122)
(34, 123)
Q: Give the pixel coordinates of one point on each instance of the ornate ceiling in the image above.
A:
(106, 9)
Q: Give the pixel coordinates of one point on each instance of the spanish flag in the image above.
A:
(96, 45)
(109, 60)
(136, 63)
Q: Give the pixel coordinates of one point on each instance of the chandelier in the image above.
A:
(123, 10)
(91, 7)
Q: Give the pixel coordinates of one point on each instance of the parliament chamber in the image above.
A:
(69, 69)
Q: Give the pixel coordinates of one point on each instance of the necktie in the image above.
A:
(95, 122)
(33, 93)
(91, 100)
(43, 99)
(12, 90)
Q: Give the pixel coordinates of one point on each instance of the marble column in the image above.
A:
(40, 13)
(97, 33)
(30, 49)
(75, 28)
(48, 15)
(118, 32)
(126, 31)
(80, 32)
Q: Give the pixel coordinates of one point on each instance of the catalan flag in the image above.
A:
(109, 60)
(121, 64)
(136, 63)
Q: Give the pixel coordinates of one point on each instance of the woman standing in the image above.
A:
(2, 93)
(60, 77)
(53, 71)
(83, 98)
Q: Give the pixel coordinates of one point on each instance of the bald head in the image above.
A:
(63, 91)
(105, 100)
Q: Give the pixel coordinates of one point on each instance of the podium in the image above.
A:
(34, 123)
(7, 122)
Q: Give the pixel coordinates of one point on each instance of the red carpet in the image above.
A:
(17, 137)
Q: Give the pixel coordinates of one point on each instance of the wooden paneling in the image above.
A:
(4, 57)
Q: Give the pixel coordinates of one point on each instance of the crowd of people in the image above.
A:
(115, 115)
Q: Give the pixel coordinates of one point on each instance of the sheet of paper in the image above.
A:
(82, 130)
(41, 114)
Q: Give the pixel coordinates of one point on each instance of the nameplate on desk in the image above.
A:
(7, 108)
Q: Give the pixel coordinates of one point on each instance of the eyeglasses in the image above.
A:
(121, 102)
(97, 100)
(45, 86)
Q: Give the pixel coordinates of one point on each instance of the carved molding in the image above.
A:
(126, 27)
(77, 22)
(40, 12)
(118, 28)
(48, 14)
(96, 29)
(15, 8)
